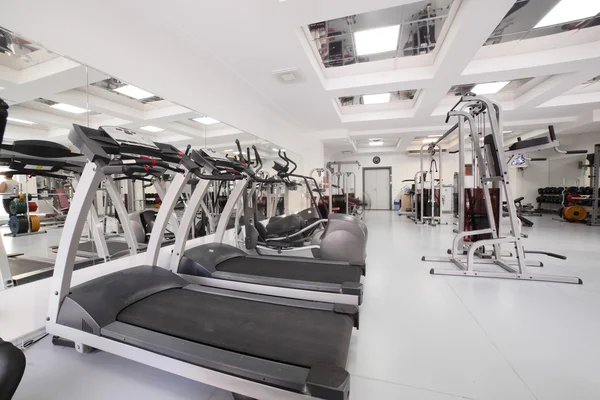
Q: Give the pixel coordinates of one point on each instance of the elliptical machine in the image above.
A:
(338, 237)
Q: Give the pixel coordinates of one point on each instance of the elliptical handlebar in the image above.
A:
(287, 163)
(239, 146)
(290, 161)
(257, 158)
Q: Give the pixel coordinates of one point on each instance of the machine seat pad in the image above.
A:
(288, 224)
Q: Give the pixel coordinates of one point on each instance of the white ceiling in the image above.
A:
(218, 57)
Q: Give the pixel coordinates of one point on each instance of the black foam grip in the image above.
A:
(576, 151)
(3, 117)
(552, 133)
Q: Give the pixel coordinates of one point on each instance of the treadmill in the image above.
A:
(224, 266)
(38, 158)
(253, 345)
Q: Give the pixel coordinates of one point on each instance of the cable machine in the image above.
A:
(492, 170)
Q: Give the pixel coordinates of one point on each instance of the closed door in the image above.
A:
(377, 187)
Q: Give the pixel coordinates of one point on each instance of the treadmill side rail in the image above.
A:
(289, 377)
(328, 382)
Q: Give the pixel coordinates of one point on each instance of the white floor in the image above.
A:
(421, 336)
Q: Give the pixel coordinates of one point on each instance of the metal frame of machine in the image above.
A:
(492, 169)
(249, 376)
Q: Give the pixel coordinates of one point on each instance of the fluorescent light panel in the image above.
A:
(380, 143)
(378, 40)
(134, 92)
(69, 108)
(489, 88)
(228, 151)
(20, 121)
(274, 149)
(507, 131)
(206, 120)
(151, 128)
(376, 98)
(434, 135)
(570, 10)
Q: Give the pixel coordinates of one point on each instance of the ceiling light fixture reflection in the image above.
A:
(489, 88)
(376, 98)
(378, 40)
(569, 10)
(151, 128)
(69, 108)
(206, 120)
(134, 92)
(20, 121)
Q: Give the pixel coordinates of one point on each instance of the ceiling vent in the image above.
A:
(290, 75)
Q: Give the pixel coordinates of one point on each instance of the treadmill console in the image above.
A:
(124, 136)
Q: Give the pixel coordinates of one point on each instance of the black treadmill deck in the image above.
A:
(294, 270)
(296, 336)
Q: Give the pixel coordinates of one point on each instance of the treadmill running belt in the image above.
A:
(24, 266)
(297, 270)
(113, 247)
(297, 336)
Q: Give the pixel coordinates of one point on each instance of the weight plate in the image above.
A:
(35, 223)
(17, 207)
(21, 196)
(33, 207)
(575, 213)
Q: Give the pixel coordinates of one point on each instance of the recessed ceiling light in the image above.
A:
(434, 135)
(375, 140)
(489, 88)
(378, 40)
(206, 120)
(507, 131)
(228, 151)
(429, 140)
(376, 98)
(69, 108)
(569, 10)
(134, 92)
(380, 143)
(274, 149)
(20, 121)
(151, 128)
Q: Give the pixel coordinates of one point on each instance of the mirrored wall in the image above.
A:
(47, 93)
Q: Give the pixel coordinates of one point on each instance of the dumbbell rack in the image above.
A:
(24, 214)
(550, 195)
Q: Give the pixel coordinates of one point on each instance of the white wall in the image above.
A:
(525, 183)
(403, 167)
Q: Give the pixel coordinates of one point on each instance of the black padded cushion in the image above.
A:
(288, 224)
(292, 335)
(12, 367)
(296, 270)
(41, 148)
(519, 199)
